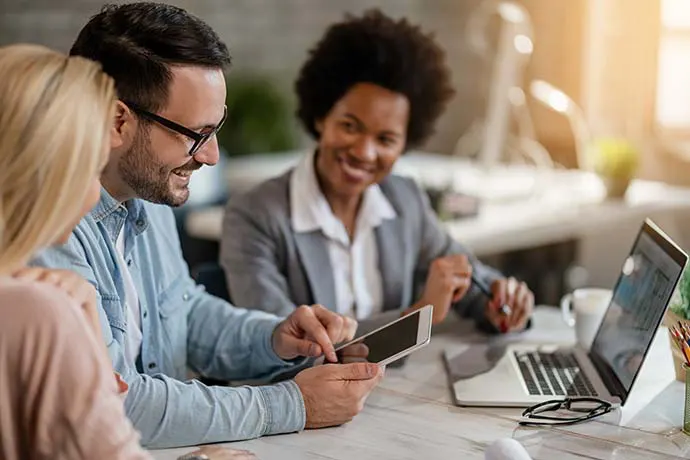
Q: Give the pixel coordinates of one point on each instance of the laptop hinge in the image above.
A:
(612, 384)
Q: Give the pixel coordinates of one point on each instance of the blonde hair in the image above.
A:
(55, 115)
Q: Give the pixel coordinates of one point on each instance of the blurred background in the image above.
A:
(556, 101)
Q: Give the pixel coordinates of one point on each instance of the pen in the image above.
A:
(681, 343)
(505, 309)
(686, 353)
(678, 339)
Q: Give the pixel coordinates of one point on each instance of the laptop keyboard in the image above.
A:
(553, 374)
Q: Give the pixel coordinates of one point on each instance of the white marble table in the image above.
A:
(411, 416)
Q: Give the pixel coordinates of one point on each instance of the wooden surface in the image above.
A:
(411, 416)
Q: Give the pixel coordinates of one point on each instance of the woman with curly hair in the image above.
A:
(340, 229)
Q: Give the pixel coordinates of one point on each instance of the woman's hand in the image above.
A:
(518, 297)
(448, 280)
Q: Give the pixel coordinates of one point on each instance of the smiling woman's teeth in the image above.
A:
(353, 171)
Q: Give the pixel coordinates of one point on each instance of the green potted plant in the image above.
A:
(260, 117)
(615, 161)
(679, 311)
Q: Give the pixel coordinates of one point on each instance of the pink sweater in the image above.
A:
(58, 396)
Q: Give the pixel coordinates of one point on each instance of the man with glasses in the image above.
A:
(168, 68)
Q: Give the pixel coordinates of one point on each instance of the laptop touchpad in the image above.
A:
(474, 360)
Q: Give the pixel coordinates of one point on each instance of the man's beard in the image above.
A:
(148, 178)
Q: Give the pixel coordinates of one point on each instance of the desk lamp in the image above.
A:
(560, 102)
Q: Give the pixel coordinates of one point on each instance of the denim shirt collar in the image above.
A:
(113, 214)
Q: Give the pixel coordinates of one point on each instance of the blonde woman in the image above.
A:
(58, 396)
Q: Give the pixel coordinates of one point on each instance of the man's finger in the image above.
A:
(349, 329)
(315, 331)
(302, 347)
(333, 322)
(365, 386)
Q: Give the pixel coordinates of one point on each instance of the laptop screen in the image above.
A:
(644, 288)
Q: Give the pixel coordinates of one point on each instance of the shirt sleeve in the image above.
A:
(231, 343)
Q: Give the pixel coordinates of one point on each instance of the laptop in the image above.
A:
(526, 374)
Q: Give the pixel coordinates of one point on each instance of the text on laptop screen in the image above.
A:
(645, 286)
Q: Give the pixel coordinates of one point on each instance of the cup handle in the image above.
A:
(566, 303)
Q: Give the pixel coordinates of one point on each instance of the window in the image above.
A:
(673, 78)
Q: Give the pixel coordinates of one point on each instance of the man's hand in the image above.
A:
(448, 280)
(518, 297)
(334, 393)
(312, 331)
(76, 287)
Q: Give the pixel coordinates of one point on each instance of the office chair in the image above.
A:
(212, 277)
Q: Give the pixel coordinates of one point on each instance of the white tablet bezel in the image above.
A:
(425, 315)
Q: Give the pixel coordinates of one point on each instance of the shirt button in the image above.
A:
(185, 297)
(152, 365)
(139, 222)
(129, 262)
(145, 314)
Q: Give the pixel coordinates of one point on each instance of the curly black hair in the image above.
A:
(374, 48)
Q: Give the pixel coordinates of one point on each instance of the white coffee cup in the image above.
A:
(589, 305)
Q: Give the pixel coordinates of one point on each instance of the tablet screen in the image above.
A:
(390, 340)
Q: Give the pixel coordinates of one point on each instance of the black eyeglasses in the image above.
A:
(199, 139)
(582, 408)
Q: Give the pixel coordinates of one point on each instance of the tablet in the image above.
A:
(395, 339)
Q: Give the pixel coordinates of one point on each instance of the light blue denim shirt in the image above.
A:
(183, 328)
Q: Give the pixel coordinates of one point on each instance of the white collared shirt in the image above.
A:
(358, 284)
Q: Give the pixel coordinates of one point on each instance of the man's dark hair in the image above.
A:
(137, 42)
(376, 49)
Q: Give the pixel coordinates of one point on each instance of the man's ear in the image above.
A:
(124, 126)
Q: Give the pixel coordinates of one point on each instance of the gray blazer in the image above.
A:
(270, 267)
